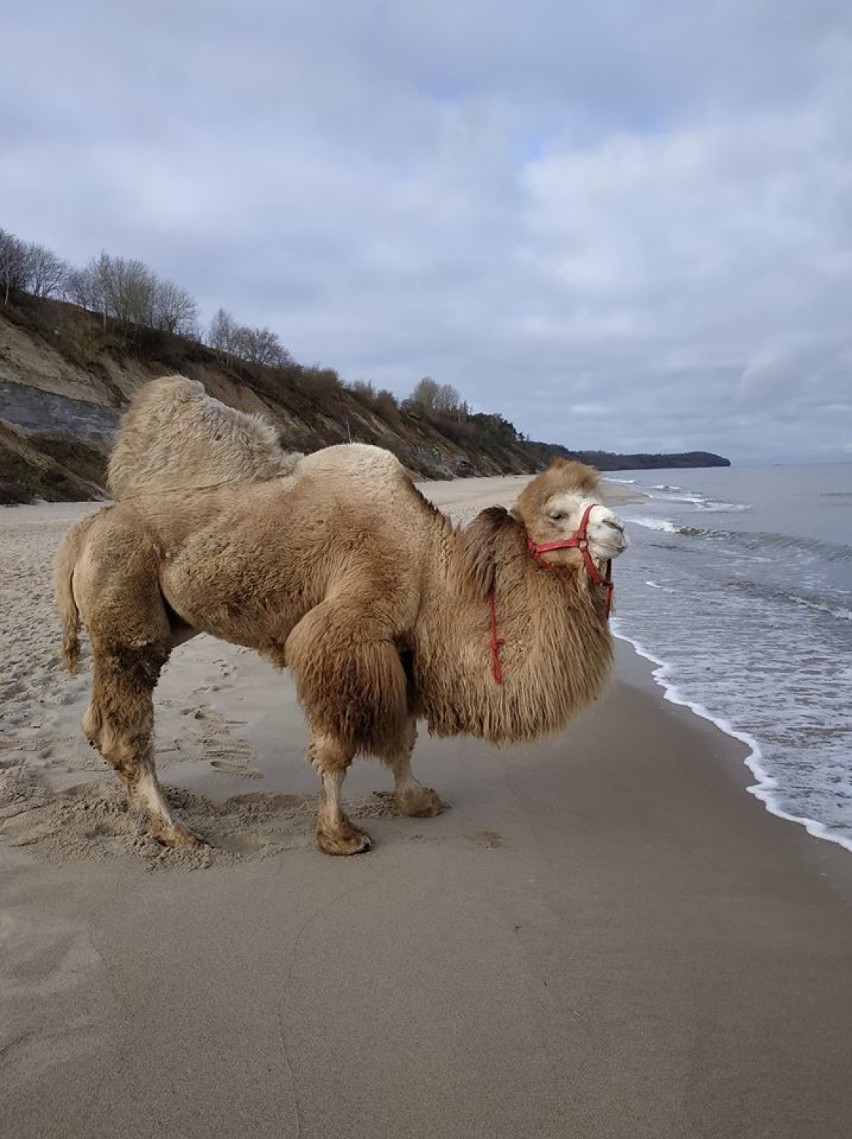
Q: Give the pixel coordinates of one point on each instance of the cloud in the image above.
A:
(626, 231)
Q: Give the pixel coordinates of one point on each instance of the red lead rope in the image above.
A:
(578, 541)
(496, 643)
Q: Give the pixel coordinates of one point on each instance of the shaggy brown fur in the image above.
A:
(339, 569)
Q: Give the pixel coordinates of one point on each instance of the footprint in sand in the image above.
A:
(227, 753)
(489, 839)
(229, 767)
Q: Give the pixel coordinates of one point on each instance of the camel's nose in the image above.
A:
(618, 535)
(607, 533)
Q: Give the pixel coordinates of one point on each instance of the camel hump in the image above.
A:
(174, 436)
(357, 459)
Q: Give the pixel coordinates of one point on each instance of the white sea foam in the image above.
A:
(713, 507)
(654, 524)
(838, 611)
(766, 786)
(681, 495)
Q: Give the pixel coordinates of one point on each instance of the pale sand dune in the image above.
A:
(605, 936)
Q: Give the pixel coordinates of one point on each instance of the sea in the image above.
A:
(738, 587)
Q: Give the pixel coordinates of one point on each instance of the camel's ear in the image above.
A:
(481, 540)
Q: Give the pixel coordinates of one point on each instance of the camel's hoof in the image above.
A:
(178, 837)
(352, 840)
(422, 803)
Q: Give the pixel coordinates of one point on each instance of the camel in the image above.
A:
(335, 566)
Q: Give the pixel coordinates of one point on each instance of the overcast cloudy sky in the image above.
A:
(623, 225)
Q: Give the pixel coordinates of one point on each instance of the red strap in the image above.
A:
(610, 588)
(496, 643)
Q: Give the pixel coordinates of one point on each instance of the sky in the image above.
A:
(624, 226)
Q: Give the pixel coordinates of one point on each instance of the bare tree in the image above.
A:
(13, 270)
(261, 346)
(84, 287)
(119, 287)
(222, 334)
(254, 345)
(436, 399)
(89, 286)
(424, 395)
(130, 287)
(174, 310)
(45, 271)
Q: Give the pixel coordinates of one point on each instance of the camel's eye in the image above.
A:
(557, 515)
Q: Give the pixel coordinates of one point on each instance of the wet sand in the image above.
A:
(604, 936)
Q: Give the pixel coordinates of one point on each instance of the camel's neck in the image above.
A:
(556, 652)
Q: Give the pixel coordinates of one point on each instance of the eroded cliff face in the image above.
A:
(32, 409)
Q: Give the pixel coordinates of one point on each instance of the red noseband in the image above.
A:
(578, 541)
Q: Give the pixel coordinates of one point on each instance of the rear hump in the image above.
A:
(174, 436)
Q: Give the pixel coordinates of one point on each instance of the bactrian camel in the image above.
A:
(335, 566)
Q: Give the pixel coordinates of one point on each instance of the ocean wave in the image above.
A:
(811, 549)
(724, 507)
(758, 543)
(695, 498)
(765, 591)
(655, 524)
(766, 787)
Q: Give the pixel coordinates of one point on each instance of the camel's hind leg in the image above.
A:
(116, 590)
(412, 797)
(336, 833)
(119, 723)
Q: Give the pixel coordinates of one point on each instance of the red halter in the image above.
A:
(577, 541)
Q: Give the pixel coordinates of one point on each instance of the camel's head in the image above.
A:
(552, 506)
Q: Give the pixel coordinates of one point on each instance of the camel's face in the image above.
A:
(562, 515)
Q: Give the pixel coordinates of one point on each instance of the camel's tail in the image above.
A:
(64, 564)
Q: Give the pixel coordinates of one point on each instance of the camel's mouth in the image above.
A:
(613, 541)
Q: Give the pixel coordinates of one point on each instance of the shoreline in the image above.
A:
(638, 667)
(765, 783)
(781, 627)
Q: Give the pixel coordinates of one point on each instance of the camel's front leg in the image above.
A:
(412, 797)
(336, 833)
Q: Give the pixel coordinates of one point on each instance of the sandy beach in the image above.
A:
(605, 935)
